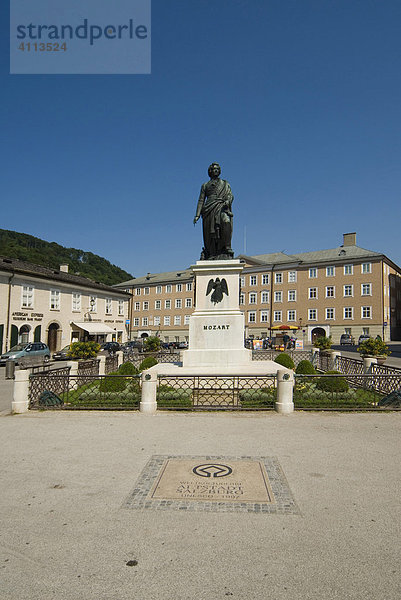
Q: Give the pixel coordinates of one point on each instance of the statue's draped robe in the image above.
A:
(215, 201)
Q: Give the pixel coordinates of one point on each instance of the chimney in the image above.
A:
(64, 268)
(349, 239)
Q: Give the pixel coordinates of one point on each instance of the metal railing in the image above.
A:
(89, 369)
(161, 357)
(363, 391)
(194, 392)
(111, 364)
(349, 365)
(296, 355)
(41, 384)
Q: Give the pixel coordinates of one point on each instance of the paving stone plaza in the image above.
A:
(74, 523)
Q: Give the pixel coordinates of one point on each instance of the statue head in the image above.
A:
(214, 170)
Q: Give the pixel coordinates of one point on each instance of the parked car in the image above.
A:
(363, 338)
(110, 347)
(182, 345)
(347, 340)
(25, 350)
(62, 354)
(131, 345)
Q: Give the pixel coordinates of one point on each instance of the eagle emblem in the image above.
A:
(219, 288)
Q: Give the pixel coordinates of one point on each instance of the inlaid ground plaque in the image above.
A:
(213, 483)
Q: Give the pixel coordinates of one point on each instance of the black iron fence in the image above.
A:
(349, 365)
(216, 393)
(137, 358)
(88, 369)
(364, 391)
(111, 364)
(296, 355)
(46, 386)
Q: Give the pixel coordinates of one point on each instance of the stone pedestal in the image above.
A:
(216, 328)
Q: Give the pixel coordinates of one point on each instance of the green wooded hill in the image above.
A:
(49, 254)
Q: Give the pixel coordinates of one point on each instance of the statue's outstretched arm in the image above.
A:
(201, 201)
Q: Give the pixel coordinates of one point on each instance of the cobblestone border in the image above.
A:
(284, 502)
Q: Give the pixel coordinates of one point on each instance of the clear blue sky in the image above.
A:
(299, 101)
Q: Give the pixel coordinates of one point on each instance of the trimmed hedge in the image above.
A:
(112, 384)
(147, 362)
(332, 384)
(285, 360)
(305, 367)
(128, 368)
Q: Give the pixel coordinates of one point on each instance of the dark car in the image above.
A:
(347, 340)
(62, 354)
(111, 347)
(132, 345)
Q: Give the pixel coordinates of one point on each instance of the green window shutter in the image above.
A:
(14, 336)
(37, 333)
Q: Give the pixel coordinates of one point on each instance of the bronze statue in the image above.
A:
(214, 206)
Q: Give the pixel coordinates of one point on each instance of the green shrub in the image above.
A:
(152, 344)
(332, 384)
(128, 368)
(113, 384)
(83, 350)
(285, 360)
(322, 342)
(374, 347)
(305, 367)
(147, 362)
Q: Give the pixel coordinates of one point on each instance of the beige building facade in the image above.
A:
(346, 289)
(57, 307)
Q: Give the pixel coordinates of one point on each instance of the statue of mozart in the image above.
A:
(214, 206)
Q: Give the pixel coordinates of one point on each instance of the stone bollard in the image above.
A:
(367, 362)
(102, 365)
(285, 389)
(73, 364)
(20, 402)
(148, 404)
(334, 354)
(120, 357)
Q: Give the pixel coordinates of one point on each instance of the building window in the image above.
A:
(178, 287)
(312, 314)
(158, 289)
(265, 279)
(366, 289)
(253, 280)
(166, 320)
(330, 290)
(156, 321)
(189, 287)
(137, 291)
(120, 308)
(348, 291)
(312, 273)
(329, 313)
(168, 289)
(252, 298)
(312, 293)
(146, 291)
(277, 315)
(278, 278)
(145, 321)
(92, 304)
(365, 330)
(55, 299)
(136, 322)
(264, 316)
(146, 305)
(242, 298)
(137, 306)
(158, 304)
(76, 301)
(178, 303)
(366, 267)
(167, 304)
(291, 315)
(292, 276)
(278, 296)
(292, 295)
(242, 281)
(330, 271)
(108, 305)
(188, 302)
(177, 320)
(366, 312)
(348, 312)
(27, 296)
(348, 269)
(251, 316)
(264, 297)
(186, 319)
